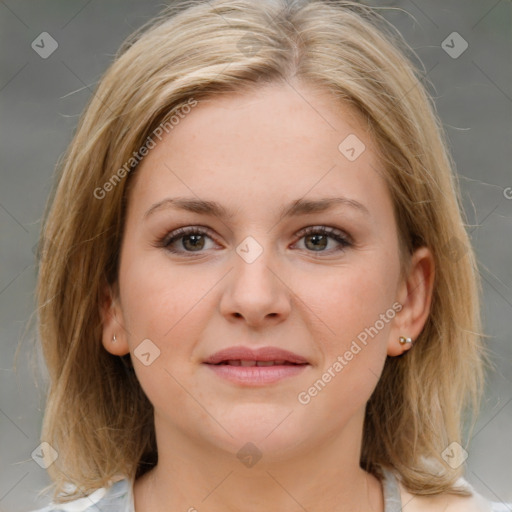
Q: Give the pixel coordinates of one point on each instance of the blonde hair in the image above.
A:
(97, 416)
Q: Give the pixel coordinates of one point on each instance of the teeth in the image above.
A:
(238, 362)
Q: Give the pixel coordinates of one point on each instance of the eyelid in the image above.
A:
(327, 230)
(187, 230)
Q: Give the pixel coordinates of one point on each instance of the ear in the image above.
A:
(113, 322)
(415, 296)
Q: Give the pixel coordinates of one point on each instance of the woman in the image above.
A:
(256, 290)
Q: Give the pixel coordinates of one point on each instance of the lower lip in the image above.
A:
(256, 375)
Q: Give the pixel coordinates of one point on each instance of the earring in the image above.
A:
(114, 339)
(403, 340)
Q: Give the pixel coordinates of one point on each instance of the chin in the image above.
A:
(269, 428)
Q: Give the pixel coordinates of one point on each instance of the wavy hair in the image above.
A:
(97, 417)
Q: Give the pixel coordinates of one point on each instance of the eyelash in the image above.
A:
(180, 233)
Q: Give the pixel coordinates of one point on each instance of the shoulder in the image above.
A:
(450, 502)
(118, 495)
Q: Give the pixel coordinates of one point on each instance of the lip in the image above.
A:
(261, 354)
(256, 375)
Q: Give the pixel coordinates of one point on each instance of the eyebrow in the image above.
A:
(295, 208)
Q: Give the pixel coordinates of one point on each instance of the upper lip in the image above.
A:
(249, 354)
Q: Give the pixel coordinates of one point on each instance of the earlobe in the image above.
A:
(113, 331)
(114, 345)
(397, 346)
(415, 296)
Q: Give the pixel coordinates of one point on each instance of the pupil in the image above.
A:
(315, 246)
(196, 238)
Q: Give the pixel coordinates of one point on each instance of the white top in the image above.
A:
(119, 498)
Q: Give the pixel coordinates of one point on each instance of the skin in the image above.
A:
(255, 152)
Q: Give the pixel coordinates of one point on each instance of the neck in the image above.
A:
(193, 475)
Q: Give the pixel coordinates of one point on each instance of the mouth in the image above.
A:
(246, 356)
(245, 366)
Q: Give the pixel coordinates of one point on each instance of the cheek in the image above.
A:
(344, 301)
(352, 335)
(165, 305)
(352, 338)
(158, 296)
(168, 305)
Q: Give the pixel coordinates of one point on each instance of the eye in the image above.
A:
(317, 238)
(193, 239)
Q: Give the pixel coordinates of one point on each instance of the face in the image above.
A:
(322, 283)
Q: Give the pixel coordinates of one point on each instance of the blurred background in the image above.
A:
(52, 56)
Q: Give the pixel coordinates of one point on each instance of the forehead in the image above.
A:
(264, 147)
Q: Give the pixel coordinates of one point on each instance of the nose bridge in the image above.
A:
(253, 263)
(255, 290)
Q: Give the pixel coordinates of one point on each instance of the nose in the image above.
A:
(256, 292)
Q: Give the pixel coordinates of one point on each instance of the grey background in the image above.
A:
(41, 100)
